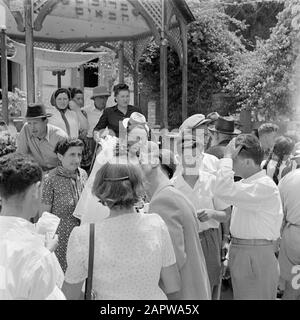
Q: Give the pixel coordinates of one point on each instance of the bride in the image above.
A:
(89, 209)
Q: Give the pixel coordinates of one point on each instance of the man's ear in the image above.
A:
(60, 157)
(34, 191)
(155, 162)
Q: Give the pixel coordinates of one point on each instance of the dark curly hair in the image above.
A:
(65, 144)
(74, 91)
(17, 173)
(251, 147)
(120, 87)
(118, 185)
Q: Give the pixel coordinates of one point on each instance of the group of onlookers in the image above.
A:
(172, 216)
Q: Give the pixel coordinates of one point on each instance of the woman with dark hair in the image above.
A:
(278, 158)
(61, 191)
(112, 117)
(71, 120)
(134, 256)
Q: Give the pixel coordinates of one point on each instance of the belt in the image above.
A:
(252, 242)
(202, 233)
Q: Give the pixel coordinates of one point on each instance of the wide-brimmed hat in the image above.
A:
(36, 110)
(194, 121)
(100, 91)
(226, 126)
(135, 119)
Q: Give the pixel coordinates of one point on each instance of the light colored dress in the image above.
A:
(130, 251)
(88, 208)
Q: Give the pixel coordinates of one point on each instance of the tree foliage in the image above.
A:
(265, 80)
(211, 50)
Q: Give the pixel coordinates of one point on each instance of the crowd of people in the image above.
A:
(91, 195)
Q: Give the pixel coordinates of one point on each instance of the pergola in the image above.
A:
(125, 26)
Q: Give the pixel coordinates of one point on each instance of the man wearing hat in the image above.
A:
(223, 131)
(94, 113)
(38, 138)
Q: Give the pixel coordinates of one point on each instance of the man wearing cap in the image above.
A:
(197, 126)
(179, 215)
(222, 133)
(38, 138)
(199, 186)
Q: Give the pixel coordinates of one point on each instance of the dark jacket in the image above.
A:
(112, 117)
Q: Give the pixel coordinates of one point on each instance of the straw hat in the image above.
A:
(100, 91)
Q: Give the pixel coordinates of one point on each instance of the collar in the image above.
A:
(160, 187)
(255, 176)
(10, 222)
(115, 108)
(180, 179)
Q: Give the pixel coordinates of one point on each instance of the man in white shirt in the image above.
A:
(198, 186)
(255, 221)
(197, 126)
(94, 113)
(178, 213)
(28, 266)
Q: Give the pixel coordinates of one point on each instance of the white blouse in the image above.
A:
(130, 251)
(57, 120)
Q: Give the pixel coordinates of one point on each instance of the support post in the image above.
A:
(135, 75)
(58, 73)
(184, 73)
(4, 76)
(81, 77)
(121, 61)
(29, 52)
(163, 70)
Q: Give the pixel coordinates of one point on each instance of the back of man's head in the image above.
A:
(267, 128)
(17, 174)
(251, 148)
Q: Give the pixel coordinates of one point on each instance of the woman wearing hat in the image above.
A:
(71, 121)
(112, 117)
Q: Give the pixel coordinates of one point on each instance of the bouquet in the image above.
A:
(8, 143)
